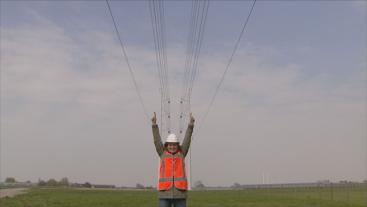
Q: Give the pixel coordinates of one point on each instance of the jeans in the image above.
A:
(172, 202)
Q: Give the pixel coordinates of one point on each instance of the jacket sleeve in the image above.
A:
(187, 140)
(157, 139)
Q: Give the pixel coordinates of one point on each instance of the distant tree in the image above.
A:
(139, 186)
(41, 183)
(52, 182)
(10, 180)
(236, 186)
(198, 184)
(344, 182)
(87, 185)
(64, 182)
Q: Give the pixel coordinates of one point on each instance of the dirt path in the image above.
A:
(12, 192)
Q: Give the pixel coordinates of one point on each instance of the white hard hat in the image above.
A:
(172, 138)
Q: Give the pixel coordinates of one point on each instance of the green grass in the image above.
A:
(67, 197)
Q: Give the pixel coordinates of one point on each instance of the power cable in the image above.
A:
(156, 9)
(199, 11)
(127, 61)
(228, 64)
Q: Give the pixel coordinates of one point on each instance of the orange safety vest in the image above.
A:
(172, 171)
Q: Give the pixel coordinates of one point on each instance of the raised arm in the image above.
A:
(187, 140)
(157, 137)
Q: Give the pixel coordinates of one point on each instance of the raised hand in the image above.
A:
(154, 119)
(192, 120)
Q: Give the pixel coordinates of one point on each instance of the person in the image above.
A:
(173, 184)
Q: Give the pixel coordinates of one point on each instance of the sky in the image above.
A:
(292, 106)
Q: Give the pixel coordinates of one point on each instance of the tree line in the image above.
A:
(53, 182)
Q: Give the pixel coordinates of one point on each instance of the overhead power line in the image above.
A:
(156, 9)
(199, 12)
(127, 61)
(229, 62)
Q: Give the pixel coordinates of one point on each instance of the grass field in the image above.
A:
(68, 197)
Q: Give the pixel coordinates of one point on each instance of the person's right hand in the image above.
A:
(192, 119)
(154, 119)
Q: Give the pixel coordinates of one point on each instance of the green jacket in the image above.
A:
(173, 193)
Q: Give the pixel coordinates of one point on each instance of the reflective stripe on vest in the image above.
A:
(172, 171)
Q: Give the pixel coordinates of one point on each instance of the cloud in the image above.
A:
(360, 6)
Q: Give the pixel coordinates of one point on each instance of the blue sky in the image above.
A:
(299, 77)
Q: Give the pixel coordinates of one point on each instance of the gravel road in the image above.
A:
(12, 192)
